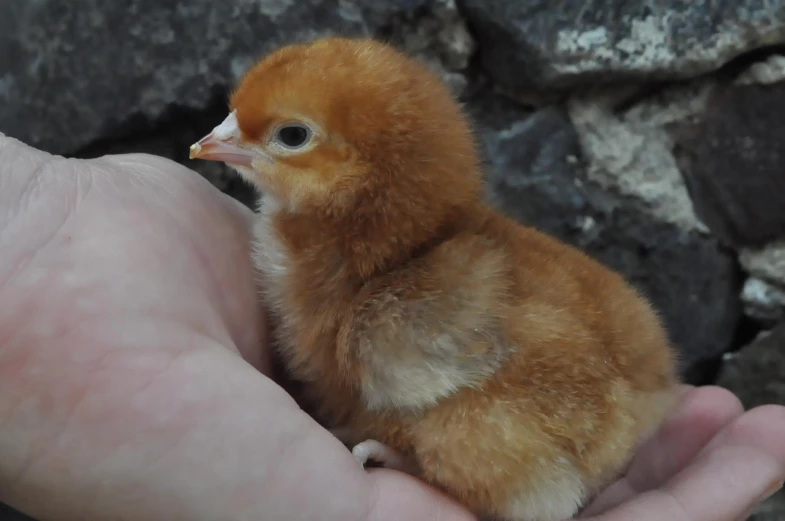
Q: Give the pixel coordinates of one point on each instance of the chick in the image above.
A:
(434, 334)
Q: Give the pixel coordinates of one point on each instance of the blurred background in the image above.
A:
(649, 134)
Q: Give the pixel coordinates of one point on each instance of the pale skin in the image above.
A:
(133, 369)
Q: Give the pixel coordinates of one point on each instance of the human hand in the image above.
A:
(131, 345)
(133, 362)
(710, 461)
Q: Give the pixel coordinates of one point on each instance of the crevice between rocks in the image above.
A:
(170, 136)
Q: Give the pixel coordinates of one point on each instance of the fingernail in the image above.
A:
(776, 487)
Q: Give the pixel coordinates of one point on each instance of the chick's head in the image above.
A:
(338, 122)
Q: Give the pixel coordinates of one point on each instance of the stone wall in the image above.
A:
(650, 134)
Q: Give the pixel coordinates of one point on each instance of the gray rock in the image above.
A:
(764, 292)
(763, 301)
(767, 263)
(437, 34)
(765, 72)
(731, 156)
(630, 150)
(543, 44)
(537, 174)
(756, 374)
(71, 73)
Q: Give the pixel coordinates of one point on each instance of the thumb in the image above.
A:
(29, 214)
(20, 165)
(399, 497)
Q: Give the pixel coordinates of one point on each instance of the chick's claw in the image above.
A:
(379, 452)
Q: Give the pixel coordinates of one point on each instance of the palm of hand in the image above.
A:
(130, 337)
(130, 345)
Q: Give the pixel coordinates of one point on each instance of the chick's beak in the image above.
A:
(221, 145)
(211, 148)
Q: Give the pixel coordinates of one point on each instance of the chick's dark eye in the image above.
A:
(293, 136)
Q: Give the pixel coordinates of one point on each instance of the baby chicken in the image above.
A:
(433, 333)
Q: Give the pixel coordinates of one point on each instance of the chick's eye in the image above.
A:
(293, 136)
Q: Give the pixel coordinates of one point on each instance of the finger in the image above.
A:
(761, 426)
(703, 413)
(726, 481)
(723, 487)
(399, 497)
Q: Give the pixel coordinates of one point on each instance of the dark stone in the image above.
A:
(756, 374)
(537, 176)
(74, 88)
(170, 137)
(732, 160)
(542, 44)
(9, 514)
(773, 509)
(74, 72)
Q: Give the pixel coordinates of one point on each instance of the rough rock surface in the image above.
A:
(732, 158)
(544, 44)
(763, 301)
(764, 292)
(764, 72)
(180, 84)
(757, 372)
(630, 151)
(538, 175)
(436, 34)
(757, 375)
(767, 262)
(76, 72)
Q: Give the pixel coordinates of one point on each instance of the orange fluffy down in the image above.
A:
(513, 371)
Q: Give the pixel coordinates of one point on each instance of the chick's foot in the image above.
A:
(379, 452)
